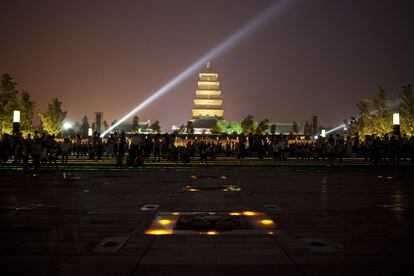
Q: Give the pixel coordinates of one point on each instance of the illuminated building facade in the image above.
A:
(208, 103)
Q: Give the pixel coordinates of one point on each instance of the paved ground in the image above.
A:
(249, 163)
(332, 222)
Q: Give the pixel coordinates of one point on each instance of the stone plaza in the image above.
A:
(325, 222)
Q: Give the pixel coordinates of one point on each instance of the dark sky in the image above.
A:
(317, 57)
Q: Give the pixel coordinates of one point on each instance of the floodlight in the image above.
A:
(67, 125)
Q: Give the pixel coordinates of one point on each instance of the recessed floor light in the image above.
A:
(213, 223)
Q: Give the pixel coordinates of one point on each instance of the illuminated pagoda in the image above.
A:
(207, 109)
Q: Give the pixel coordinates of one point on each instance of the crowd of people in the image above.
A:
(46, 150)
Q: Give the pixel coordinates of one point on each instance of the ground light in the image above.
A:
(213, 223)
(230, 41)
(164, 221)
(249, 213)
(266, 222)
(159, 232)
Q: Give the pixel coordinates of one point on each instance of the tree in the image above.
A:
(190, 127)
(247, 124)
(235, 128)
(52, 119)
(105, 125)
(263, 126)
(214, 129)
(155, 126)
(374, 116)
(93, 126)
(226, 127)
(8, 102)
(273, 129)
(295, 128)
(181, 130)
(135, 124)
(407, 110)
(76, 127)
(362, 124)
(381, 116)
(222, 126)
(307, 129)
(254, 127)
(27, 108)
(84, 127)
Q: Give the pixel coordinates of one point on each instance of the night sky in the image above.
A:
(316, 57)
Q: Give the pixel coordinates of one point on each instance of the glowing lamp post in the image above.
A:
(16, 122)
(16, 116)
(90, 131)
(323, 133)
(396, 124)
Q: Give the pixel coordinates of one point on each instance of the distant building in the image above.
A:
(143, 127)
(98, 121)
(314, 125)
(208, 108)
(207, 103)
(285, 128)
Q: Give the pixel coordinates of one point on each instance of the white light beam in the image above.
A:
(219, 49)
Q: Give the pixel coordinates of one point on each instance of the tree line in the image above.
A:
(52, 119)
(12, 99)
(375, 115)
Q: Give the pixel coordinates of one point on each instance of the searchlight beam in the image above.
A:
(234, 38)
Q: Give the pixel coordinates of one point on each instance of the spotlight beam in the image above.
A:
(234, 38)
(336, 128)
(390, 106)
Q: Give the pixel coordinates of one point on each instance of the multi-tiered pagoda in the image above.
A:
(208, 101)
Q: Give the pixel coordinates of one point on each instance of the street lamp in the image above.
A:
(396, 124)
(396, 119)
(16, 122)
(16, 116)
